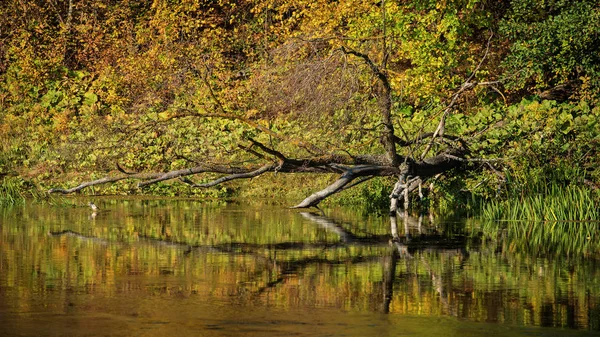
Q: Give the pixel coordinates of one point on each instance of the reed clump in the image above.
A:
(15, 190)
(555, 203)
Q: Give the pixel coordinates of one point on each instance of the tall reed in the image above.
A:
(14, 190)
(11, 192)
(553, 203)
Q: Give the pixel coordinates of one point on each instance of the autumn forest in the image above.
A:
(442, 101)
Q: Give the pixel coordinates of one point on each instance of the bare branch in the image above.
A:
(487, 50)
(347, 177)
(122, 170)
(191, 171)
(255, 173)
(465, 86)
(388, 133)
(448, 138)
(466, 160)
(249, 150)
(403, 186)
(268, 150)
(364, 166)
(358, 182)
(104, 181)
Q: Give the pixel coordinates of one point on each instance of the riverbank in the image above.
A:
(536, 200)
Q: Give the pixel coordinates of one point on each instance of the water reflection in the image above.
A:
(148, 264)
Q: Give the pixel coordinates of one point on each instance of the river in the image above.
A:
(155, 267)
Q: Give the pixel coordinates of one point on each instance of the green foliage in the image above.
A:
(11, 191)
(175, 189)
(540, 152)
(15, 191)
(554, 42)
(554, 203)
(450, 198)
(532, 127)
(372, 196)
(536, 140)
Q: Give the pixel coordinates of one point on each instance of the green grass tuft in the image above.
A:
(556, 203)
(15, 191)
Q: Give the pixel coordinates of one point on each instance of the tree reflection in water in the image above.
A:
(253, 258)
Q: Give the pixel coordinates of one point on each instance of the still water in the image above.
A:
(187, 268)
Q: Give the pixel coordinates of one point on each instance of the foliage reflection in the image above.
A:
(269, 257)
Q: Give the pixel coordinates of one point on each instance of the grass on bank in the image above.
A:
(15, 190)
(527, 198)
(554, 203)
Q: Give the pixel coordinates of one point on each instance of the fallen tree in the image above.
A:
(411, 170)
(353, 171)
